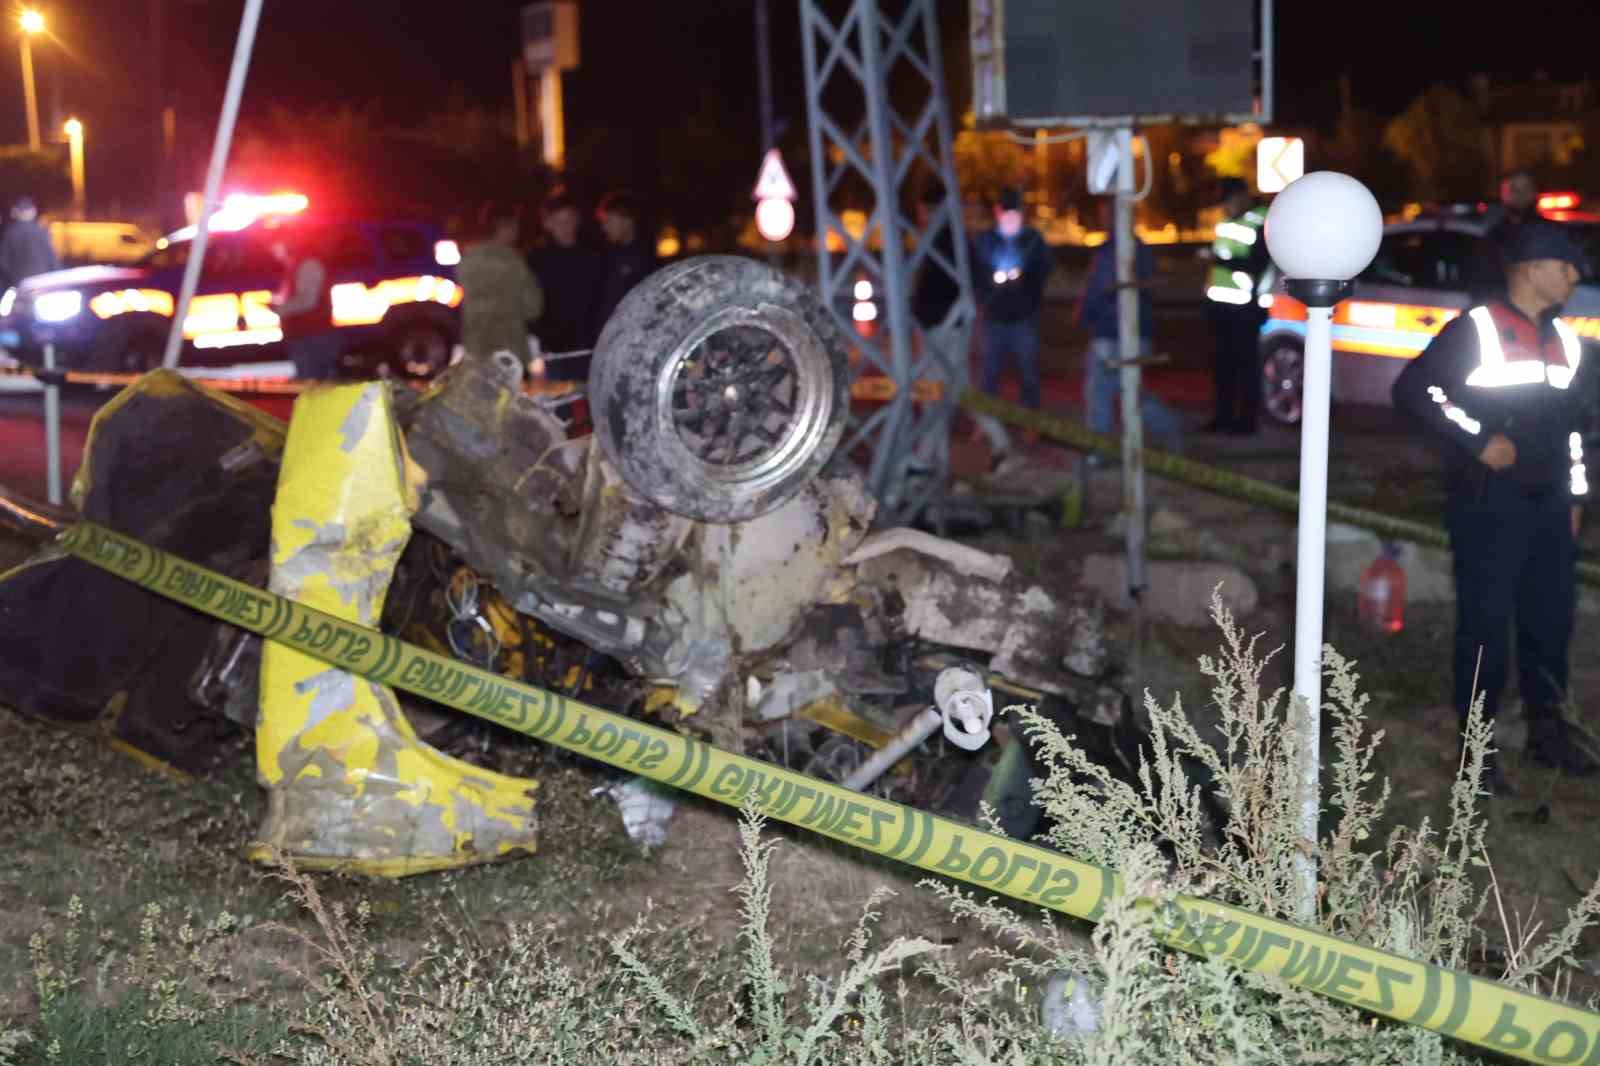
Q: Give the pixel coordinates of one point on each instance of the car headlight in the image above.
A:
(57, 306)
(8, 301)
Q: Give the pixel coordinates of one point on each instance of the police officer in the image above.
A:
(1496, 383)
(1241, 273)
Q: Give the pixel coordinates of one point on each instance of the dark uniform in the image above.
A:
(1493, 371)
(1241, 275)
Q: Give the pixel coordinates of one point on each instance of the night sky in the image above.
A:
(641, 58)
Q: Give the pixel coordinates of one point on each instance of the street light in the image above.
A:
(74, 132)
(1322, 230)
(32, 23)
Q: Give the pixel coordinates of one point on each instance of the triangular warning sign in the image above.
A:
(774, 183)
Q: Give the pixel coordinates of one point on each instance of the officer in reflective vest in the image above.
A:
(1497, 384)
(1240, 276)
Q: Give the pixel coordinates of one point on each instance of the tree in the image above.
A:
(987, 162)
(1179, 185)
(1235, 153)
(1357, 148)
(1441, 140)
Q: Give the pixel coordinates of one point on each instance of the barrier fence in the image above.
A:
(1455, 1004)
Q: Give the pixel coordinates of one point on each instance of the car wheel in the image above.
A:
(421, 350)
(1283, 381)
(134, 353)
(719, 388)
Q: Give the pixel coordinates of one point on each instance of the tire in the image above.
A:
(132, 352)
(719, 388)
(419, 349)
(1283, 380)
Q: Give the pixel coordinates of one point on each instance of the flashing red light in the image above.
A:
(1558, 201)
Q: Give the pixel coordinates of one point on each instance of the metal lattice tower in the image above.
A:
(858, 138)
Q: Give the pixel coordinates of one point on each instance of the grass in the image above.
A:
(136, 934)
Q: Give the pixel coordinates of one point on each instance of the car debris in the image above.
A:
(703, 558)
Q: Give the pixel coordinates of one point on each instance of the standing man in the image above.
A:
(1496, 383)
(500, 296)
(25, 248)
(627, 257)
(569, 275)
(1009, 266)
(305, 309)
(1519, 201)
(933, 297)
(1241, 272)
(1099, 313)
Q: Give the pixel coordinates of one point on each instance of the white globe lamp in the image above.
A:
(774, 218)
(1321, 231)
(1324, 227)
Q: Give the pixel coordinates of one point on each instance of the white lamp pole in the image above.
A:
(1322, 230)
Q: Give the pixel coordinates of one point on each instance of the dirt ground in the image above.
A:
(79, 819)
(1543, 854)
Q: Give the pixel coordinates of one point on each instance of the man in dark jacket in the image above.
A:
(1010, 263)
(1240, 275)
(1100, 313)
(1496, 385)
(1519, 201)
(569, 276)
(627, 258)
(25, 248)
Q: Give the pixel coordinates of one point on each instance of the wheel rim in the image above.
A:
(423, 352)
(749, 396)
(138, 358)
(1283, 378)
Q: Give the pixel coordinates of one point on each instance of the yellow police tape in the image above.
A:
(1450, 1002)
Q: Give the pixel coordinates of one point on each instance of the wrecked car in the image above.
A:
(707, 556)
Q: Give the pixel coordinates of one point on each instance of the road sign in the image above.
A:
(774, 218)
(774, 183)
(1279, 160)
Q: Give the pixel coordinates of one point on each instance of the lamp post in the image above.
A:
(1322, 230)
(74, 132)
(32, 23)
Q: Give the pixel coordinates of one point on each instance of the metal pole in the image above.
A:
(764, 73)
(764, 85)
(75, 153)
(1129, 332)
(519, 99)
(552, 118)
(1309, 561)
(891, 455)
(219, 160)
(29, 96)
(52, 429)
(1266, 61)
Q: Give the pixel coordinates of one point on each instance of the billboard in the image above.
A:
(1061, 62)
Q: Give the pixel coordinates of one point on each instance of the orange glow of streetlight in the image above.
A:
(32, 21)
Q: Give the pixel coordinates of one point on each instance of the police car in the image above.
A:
(392, 287)
(1417, 282)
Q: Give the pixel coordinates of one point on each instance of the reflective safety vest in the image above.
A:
(1511, 356)
(1234, 244)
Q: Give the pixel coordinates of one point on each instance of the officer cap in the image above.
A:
(1011, 199)
(1545, 240)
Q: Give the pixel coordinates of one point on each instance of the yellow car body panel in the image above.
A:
(350, 785)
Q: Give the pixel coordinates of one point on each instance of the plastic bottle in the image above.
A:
(1382, 596)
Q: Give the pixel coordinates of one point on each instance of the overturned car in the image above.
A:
(706, 557)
